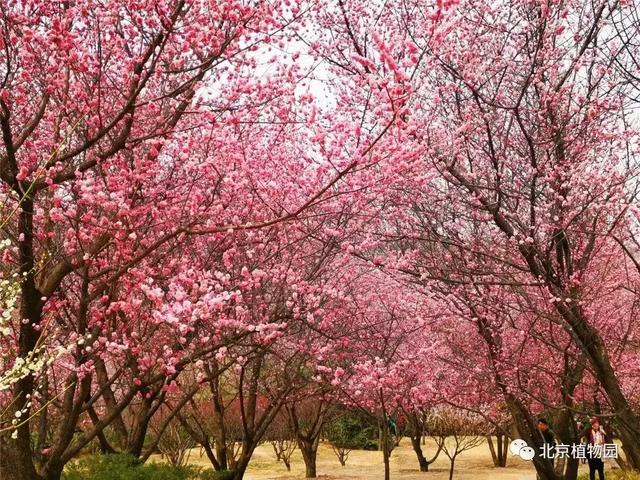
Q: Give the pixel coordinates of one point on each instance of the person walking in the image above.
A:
(548, 438)
(548, 442)
(596, 439)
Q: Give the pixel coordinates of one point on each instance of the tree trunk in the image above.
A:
(387, 466)
(54, 474)
(452, 467)
(571, 469)
(565, 430)
(211, 456)
(502, 452)
(422, 461)
(522, 417)
(492, 449)
(243, 462)
(498, 452)
(43, 423)
(386, 450)
(16, 456)
(219, 430)
(139, 431)
(309, 452)
(118, 425)
(500, 441)
(527, 430)
(15, 461)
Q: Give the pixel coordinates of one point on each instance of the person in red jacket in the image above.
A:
(596, 437)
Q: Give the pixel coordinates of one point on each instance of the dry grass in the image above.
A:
(474, 464)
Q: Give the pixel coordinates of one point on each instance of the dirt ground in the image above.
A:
(474, 464)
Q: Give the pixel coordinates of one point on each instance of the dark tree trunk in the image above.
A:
(105, 446)
(308, 436)
(54, 473)
(118, 424)
(136, 443)
(566, 432)
(15, 461)
(219, 430)
(387, 466)
(16, 456)
(243, 462)
(422, 461)
(385, 444)
(504, 451)
(524, 422)
(527, 430)
(492, 449)
(500, 442)
(211, 456)
(498, 451)
(571, 470)
(309, 450)
(219, 436)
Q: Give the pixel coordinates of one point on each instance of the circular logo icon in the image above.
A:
(527, 453)
(516, 445)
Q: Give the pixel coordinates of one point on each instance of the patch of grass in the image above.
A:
(210, 474)
(127, 467)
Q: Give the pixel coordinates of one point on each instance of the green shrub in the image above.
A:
(102, 467)
(211, 474)
(352, 431)
(158, 471)
(125, 467)
(615, 475)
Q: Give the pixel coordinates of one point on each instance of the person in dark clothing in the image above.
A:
(548, 441)
(596, 436)
(548, 438)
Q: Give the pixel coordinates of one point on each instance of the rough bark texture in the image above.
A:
(422, 461)
(309, 452)
(499, 450)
